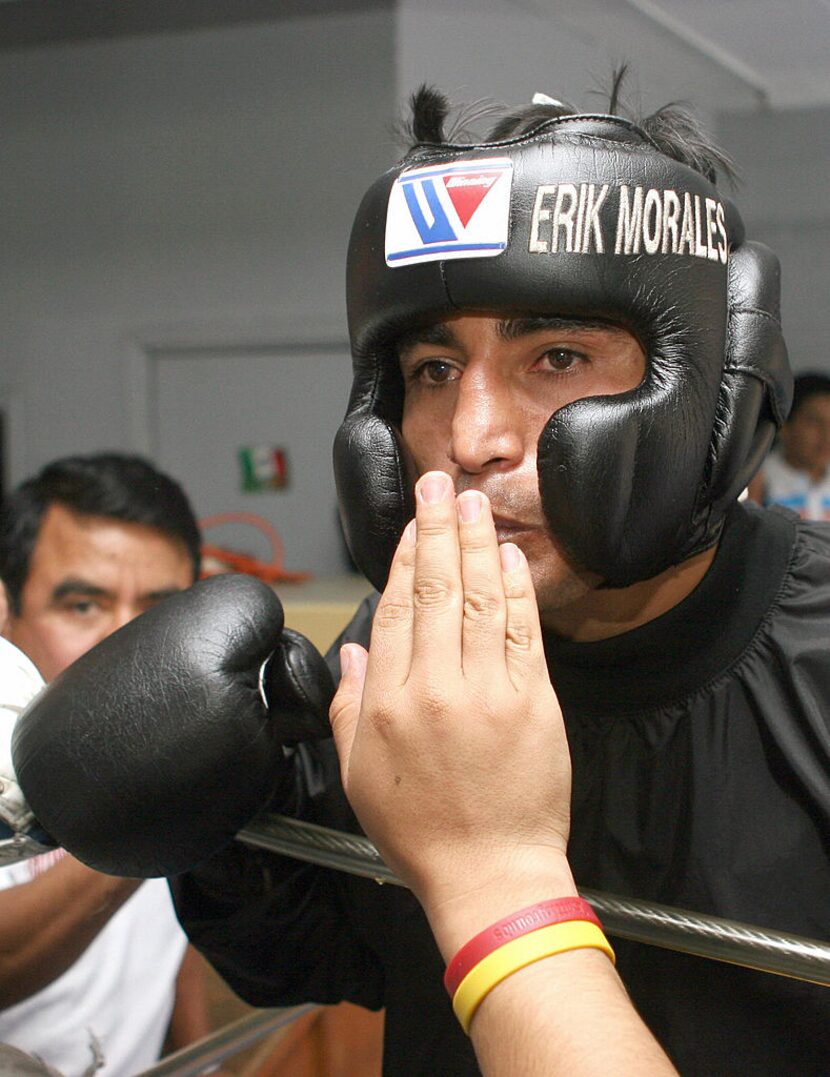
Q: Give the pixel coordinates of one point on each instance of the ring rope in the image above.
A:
(688, 932)
(198, 1058)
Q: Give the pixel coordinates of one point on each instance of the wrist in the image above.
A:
(457, 915)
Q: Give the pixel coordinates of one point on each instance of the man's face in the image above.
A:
(88, 576)
(806, 436)
(478, 392)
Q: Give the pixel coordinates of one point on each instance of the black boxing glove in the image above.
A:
(153, 749)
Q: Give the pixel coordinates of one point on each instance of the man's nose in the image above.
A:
(487, 423)
(122, 615)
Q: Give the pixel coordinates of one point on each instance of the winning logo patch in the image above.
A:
(449, 211)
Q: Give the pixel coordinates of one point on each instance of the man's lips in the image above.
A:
(507, 529)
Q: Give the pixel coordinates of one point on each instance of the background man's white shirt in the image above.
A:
(118, 994)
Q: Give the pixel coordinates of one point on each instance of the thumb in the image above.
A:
(344, 712)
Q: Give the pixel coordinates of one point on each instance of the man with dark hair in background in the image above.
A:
(90, 962)
(85, 546)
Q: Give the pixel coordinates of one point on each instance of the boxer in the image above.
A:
(568, 318)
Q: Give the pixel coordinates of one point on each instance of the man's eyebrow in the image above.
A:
(72, 586)
(164, 592)
(441, 334)
(512, 328)
(438, 333)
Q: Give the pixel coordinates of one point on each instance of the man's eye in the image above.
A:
(82, 607)
(435, 372)
(560, 358)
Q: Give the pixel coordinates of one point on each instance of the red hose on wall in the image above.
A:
(216, 559)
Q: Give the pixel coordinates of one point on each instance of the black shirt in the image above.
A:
(701, 761)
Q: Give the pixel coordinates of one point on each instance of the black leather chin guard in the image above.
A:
(602, 226)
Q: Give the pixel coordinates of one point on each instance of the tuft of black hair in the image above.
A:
(434, 120)
(677, 132)
(806, 385)
(673, 129)
(525, 120)
(617, 79)
(430, 109)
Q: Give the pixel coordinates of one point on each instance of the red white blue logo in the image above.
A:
(449, 211)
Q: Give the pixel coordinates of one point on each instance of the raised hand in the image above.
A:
(452, 747)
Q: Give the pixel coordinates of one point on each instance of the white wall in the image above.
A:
(199, 179)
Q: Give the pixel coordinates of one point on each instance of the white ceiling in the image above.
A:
(781, 48)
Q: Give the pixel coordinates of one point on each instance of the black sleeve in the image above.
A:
(279, 931)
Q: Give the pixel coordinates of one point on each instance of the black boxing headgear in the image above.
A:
(584, 218)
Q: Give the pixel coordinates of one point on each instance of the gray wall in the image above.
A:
(194, 187)
(506, 51)
(155, 186)
(784, 162)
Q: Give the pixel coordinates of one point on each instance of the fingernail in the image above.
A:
(434, 487)
(510, 556)
(345, 659)
(470, 504)
(410, 533)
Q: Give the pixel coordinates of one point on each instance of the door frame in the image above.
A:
(143, 348)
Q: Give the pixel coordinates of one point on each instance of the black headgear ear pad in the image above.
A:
(587, 220)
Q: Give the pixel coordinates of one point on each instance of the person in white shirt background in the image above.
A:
(94, 969)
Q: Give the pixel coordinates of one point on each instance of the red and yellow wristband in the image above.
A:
(542, 914)
(533, 934)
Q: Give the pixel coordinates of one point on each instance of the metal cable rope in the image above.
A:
(628, 918)
(228, 1041)
(657, 925)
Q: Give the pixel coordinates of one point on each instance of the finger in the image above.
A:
(390, 649)
(485, 607)
(523, 648)
(344, 712)
(437, 591)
